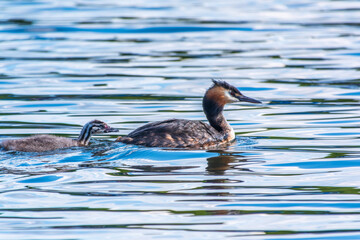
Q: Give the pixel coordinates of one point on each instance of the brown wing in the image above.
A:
(174, 133)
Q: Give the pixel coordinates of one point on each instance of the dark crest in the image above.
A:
(225, 85)
(97, 122)
(96, 125)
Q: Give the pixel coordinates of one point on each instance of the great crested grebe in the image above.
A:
(42, 143)
(181, 133)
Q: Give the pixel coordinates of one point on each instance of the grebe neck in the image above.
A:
(214, 114)
(85, 134)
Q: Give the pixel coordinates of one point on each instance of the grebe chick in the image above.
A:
(181, 133)
(42, 143)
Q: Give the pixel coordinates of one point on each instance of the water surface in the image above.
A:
(292, 174)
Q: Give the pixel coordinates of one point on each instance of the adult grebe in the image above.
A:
(42, 143)
(181, 133)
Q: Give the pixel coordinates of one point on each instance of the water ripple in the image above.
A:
(292, 173)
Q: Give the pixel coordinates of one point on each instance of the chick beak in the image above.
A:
(243, 98)
(110, 129)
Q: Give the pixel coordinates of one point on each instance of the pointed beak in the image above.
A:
(110, 129)
(243, 98)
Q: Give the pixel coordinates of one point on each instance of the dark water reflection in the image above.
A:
(292, 174)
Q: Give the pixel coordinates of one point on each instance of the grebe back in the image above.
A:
(182, 133)
(42, 143)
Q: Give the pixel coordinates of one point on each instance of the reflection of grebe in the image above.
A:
(41, 143)
(218, 165)
(181, 133)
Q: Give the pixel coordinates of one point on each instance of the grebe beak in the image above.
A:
(243, 98)
(110, 129)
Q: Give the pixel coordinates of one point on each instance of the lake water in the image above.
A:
(292, 174)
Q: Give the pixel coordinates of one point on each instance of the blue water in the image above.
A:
(293, 172)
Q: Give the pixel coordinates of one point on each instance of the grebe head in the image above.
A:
(214, 101)
(94, 127)
(223, 93)
(97, 126)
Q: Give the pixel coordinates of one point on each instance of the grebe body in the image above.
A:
(181, 133)
(42, 143)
